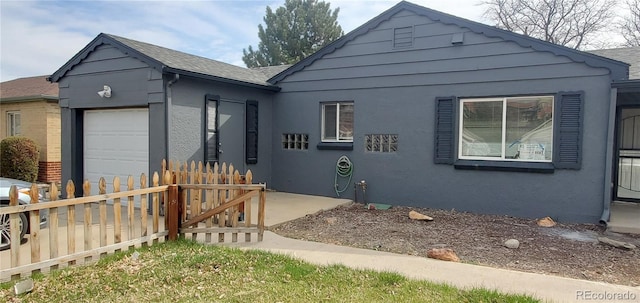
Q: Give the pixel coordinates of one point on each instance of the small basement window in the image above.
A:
(382, 143)
(295, 141)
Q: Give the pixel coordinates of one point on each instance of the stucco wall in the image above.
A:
(187, 111)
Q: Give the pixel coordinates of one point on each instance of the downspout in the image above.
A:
(608, 170)
(169, 93)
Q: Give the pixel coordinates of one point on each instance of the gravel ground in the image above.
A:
(569, 250)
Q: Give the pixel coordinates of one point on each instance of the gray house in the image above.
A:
(429, 109)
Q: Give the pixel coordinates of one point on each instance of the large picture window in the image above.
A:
(337, 122)
(509, 128)
(13, 123)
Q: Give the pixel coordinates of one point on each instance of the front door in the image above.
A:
(231, 131)
(628, 177)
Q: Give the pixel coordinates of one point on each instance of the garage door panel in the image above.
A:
(116, 143)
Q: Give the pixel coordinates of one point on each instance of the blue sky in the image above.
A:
(38, 37)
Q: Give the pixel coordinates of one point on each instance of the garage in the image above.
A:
(116, 143)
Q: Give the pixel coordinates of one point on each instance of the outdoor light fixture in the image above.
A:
(105, 92)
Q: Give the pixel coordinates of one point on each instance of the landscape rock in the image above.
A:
(331, 220)
(24, 286)
(616, 243)
(444, 254)
(414, 215)
(546, 222)
(512, 243)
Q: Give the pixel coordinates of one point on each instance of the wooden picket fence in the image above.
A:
(201, 201)
(215, 199)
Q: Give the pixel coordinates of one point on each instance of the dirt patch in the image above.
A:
(568, 250)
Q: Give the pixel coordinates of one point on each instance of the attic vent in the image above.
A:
(403, 37)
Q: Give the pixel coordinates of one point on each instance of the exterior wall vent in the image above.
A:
(403, 37)
(457, 38)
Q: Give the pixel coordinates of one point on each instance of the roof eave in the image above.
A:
(627, 84)
(34, 98)
(272, 88)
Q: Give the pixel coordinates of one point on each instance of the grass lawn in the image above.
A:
(185, 271)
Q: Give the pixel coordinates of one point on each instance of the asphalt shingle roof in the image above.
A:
(196, 64)
(172, 61)
(270, 71)
(30, 87)
(630, 55)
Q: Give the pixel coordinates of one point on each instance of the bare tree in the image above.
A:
(571, 23)
(630, 25)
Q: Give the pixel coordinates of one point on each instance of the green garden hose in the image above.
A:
(344, 169)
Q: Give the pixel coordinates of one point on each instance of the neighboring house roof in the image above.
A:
(618, 69)
(28, 89)
(629, 55)
(171, 61)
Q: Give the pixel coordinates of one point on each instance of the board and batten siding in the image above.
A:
(394, 91)
(134, 84)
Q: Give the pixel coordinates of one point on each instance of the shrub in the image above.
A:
(19, 158)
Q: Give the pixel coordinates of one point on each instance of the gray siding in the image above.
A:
(133, 84)
(188, 105)
(394, 92)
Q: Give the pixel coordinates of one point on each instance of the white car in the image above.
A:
(23, 198)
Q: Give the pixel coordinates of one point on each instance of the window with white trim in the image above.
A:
(506, 129)
(337, 122)
(13, 123)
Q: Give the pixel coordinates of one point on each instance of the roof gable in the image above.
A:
(167, 60)
(28, 88)
(619, 70)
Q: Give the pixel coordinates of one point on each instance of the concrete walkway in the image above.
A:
(545, 287)
(625, 218)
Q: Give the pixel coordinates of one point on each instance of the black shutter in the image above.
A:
(567, 144)
(444, 130)
(252, 132)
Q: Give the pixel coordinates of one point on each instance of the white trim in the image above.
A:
(11, 125)
(503, 144)
(337, 126)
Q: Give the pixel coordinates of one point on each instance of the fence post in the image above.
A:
(173, 212)
(14, 230)
(34, 221)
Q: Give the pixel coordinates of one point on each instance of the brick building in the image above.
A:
(29, 108)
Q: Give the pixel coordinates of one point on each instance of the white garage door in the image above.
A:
(116, 143)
